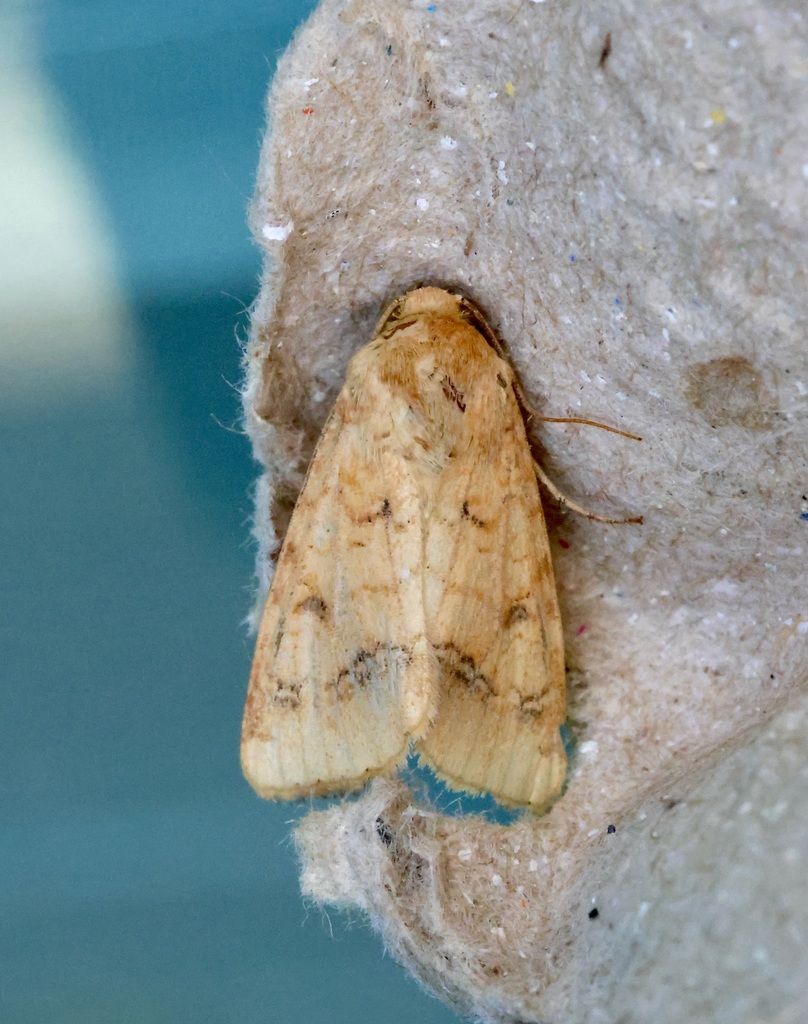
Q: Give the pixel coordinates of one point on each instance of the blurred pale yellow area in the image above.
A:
(63, 325)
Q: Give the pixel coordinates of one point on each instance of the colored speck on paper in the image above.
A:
(563, 543)
(611, 830)
(308, 110)
(573, 259)
(432, 7)
(617, 302)
(509, 89)
(718, 116)
(582, 629)
(804, 516)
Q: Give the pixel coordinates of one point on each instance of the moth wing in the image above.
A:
(342, 675)
(494, 622)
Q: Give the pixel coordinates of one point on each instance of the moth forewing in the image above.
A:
(342, 675)
(414, 597)
(491, 604)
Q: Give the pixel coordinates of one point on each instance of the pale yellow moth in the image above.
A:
(414, 600)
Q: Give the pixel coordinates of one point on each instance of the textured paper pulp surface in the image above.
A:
(633, 223)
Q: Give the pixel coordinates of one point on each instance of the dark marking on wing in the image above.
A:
(279, 632)
(451, 392)
(385, 512)
(532, 706)
(286, 695)
(462, 668)
(366, 666)
(399, 326)
(516, 613)
(465, 514)
(314, 604)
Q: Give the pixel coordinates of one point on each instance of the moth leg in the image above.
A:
(574, 506)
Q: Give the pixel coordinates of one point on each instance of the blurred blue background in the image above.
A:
(140, 878)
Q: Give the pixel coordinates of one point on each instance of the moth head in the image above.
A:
(429, 300)
(436, 301)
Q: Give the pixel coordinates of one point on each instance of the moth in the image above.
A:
(414, 603)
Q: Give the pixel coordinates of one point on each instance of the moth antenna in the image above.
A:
(531, 414)
(587, 423)
(548, 483)
(476, 318)
(574, 506)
